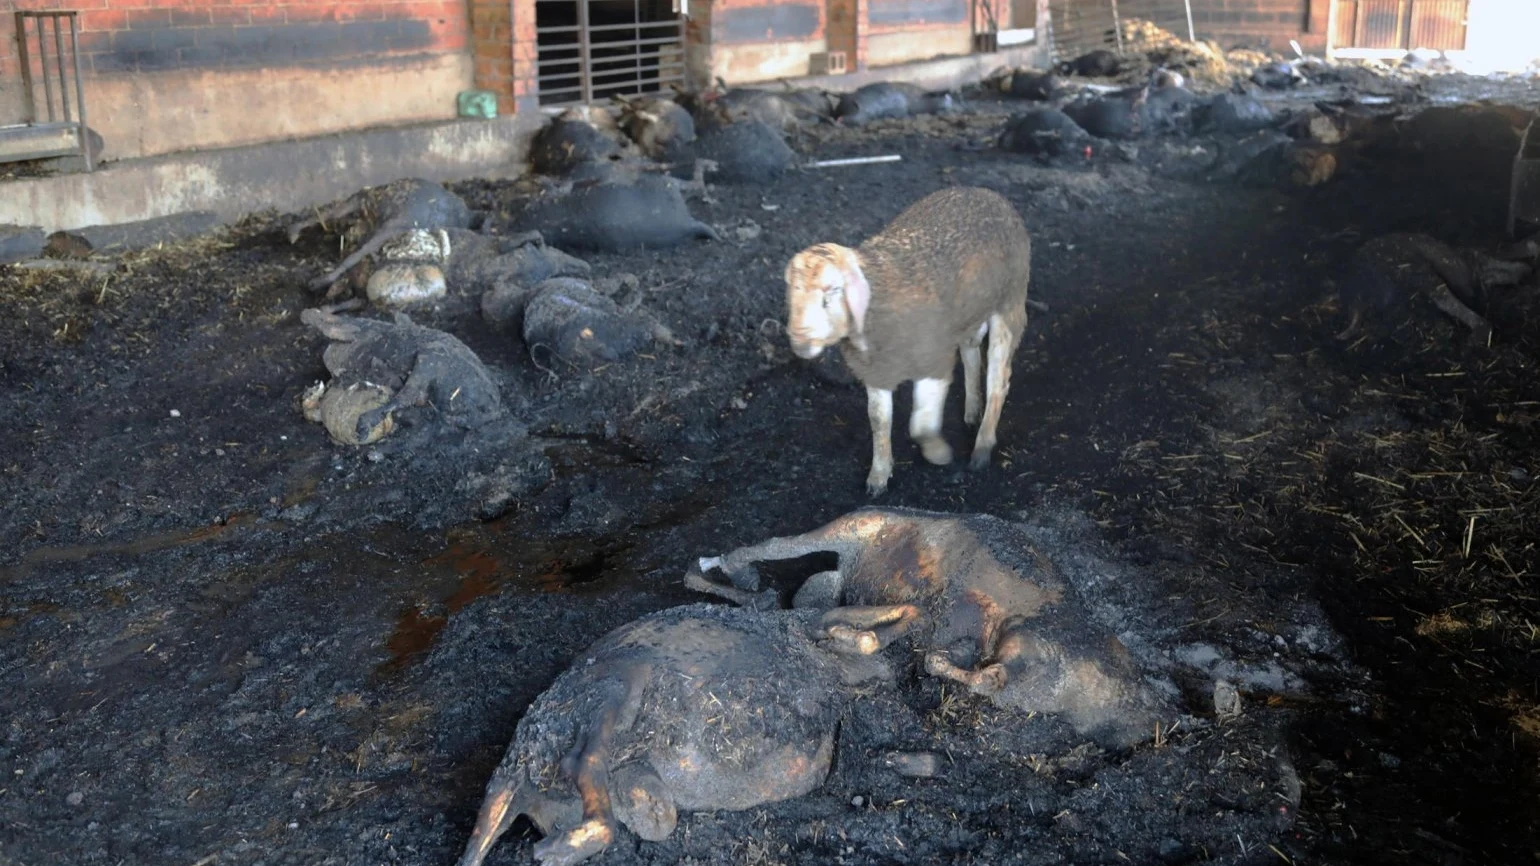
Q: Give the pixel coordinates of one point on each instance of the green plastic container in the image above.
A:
(477, 103)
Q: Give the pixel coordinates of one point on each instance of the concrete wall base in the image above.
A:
(290, 176)
(287, 175)
(940, 74)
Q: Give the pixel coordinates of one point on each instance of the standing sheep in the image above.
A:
(945, 273)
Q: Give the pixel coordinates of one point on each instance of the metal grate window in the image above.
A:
(593, 49)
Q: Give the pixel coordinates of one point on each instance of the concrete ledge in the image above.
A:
(224, 185)
(288, 175)
(940, 74)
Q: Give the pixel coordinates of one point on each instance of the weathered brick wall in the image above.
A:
(237, 67)
(903, 31)
(1272, 23)
(758, 40)
(156, 35)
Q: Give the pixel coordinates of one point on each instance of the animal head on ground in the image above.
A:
(826, 299)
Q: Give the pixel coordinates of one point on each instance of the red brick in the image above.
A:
(230, 15)
(104, 19)
(149, 19)
(268, 14)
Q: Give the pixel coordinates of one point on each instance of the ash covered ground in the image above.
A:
(226, 639)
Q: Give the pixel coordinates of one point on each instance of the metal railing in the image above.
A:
(579, 61)
(59, 78)
(1079, 26)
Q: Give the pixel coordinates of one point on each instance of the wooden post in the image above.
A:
(26, 67)
(1332, 13)
(1117, 27)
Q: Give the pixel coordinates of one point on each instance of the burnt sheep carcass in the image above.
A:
(745, 152)
(381, 370)
(1045, 133)
(576, 138)
(1100, 63)
(701, 707)
(661, 128)
(378, 214)
(886, 99)
(647, 213)
(425, 266)
(987, 609)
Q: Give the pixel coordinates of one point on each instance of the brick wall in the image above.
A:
(235, 71)
(1271, 23)
(155, 35)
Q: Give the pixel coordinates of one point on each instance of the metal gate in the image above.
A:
(1401, 25)
(1078, 26)
(593, 49)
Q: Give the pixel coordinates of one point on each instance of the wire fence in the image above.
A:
(1079, 26)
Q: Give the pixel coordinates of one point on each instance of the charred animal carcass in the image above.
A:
(1232, 113)
(888, 99)
(1099, 63)
(383, 369)
(648, 212)
(701, 707)
(1021, 83)
(748, 151)
(568, 319)
(578, 137)
(989, 610)
(1391, 274)
(1045, 133)
(378, 214)
(661, 128)
(423, 266)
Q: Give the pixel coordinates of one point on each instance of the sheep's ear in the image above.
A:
(858, 295)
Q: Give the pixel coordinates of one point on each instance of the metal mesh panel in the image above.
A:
(1079, 26)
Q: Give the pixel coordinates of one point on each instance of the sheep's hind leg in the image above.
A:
(1005, 331)
(985, 681)
(973, 373)
(925, 419)
(867, 629)
(588, 764)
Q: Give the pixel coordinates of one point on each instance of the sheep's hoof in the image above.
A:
(981, 457)
(576, 845)
(876, 486)
(936, 451)
(861, 641)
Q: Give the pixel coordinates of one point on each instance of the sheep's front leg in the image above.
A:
(925, 419)
(879, 411)
(1004, 333)
(820, 590)
(973, 373)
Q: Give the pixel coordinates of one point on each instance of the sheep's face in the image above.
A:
(826, 298)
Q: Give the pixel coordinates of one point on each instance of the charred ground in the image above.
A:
(222, 635)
